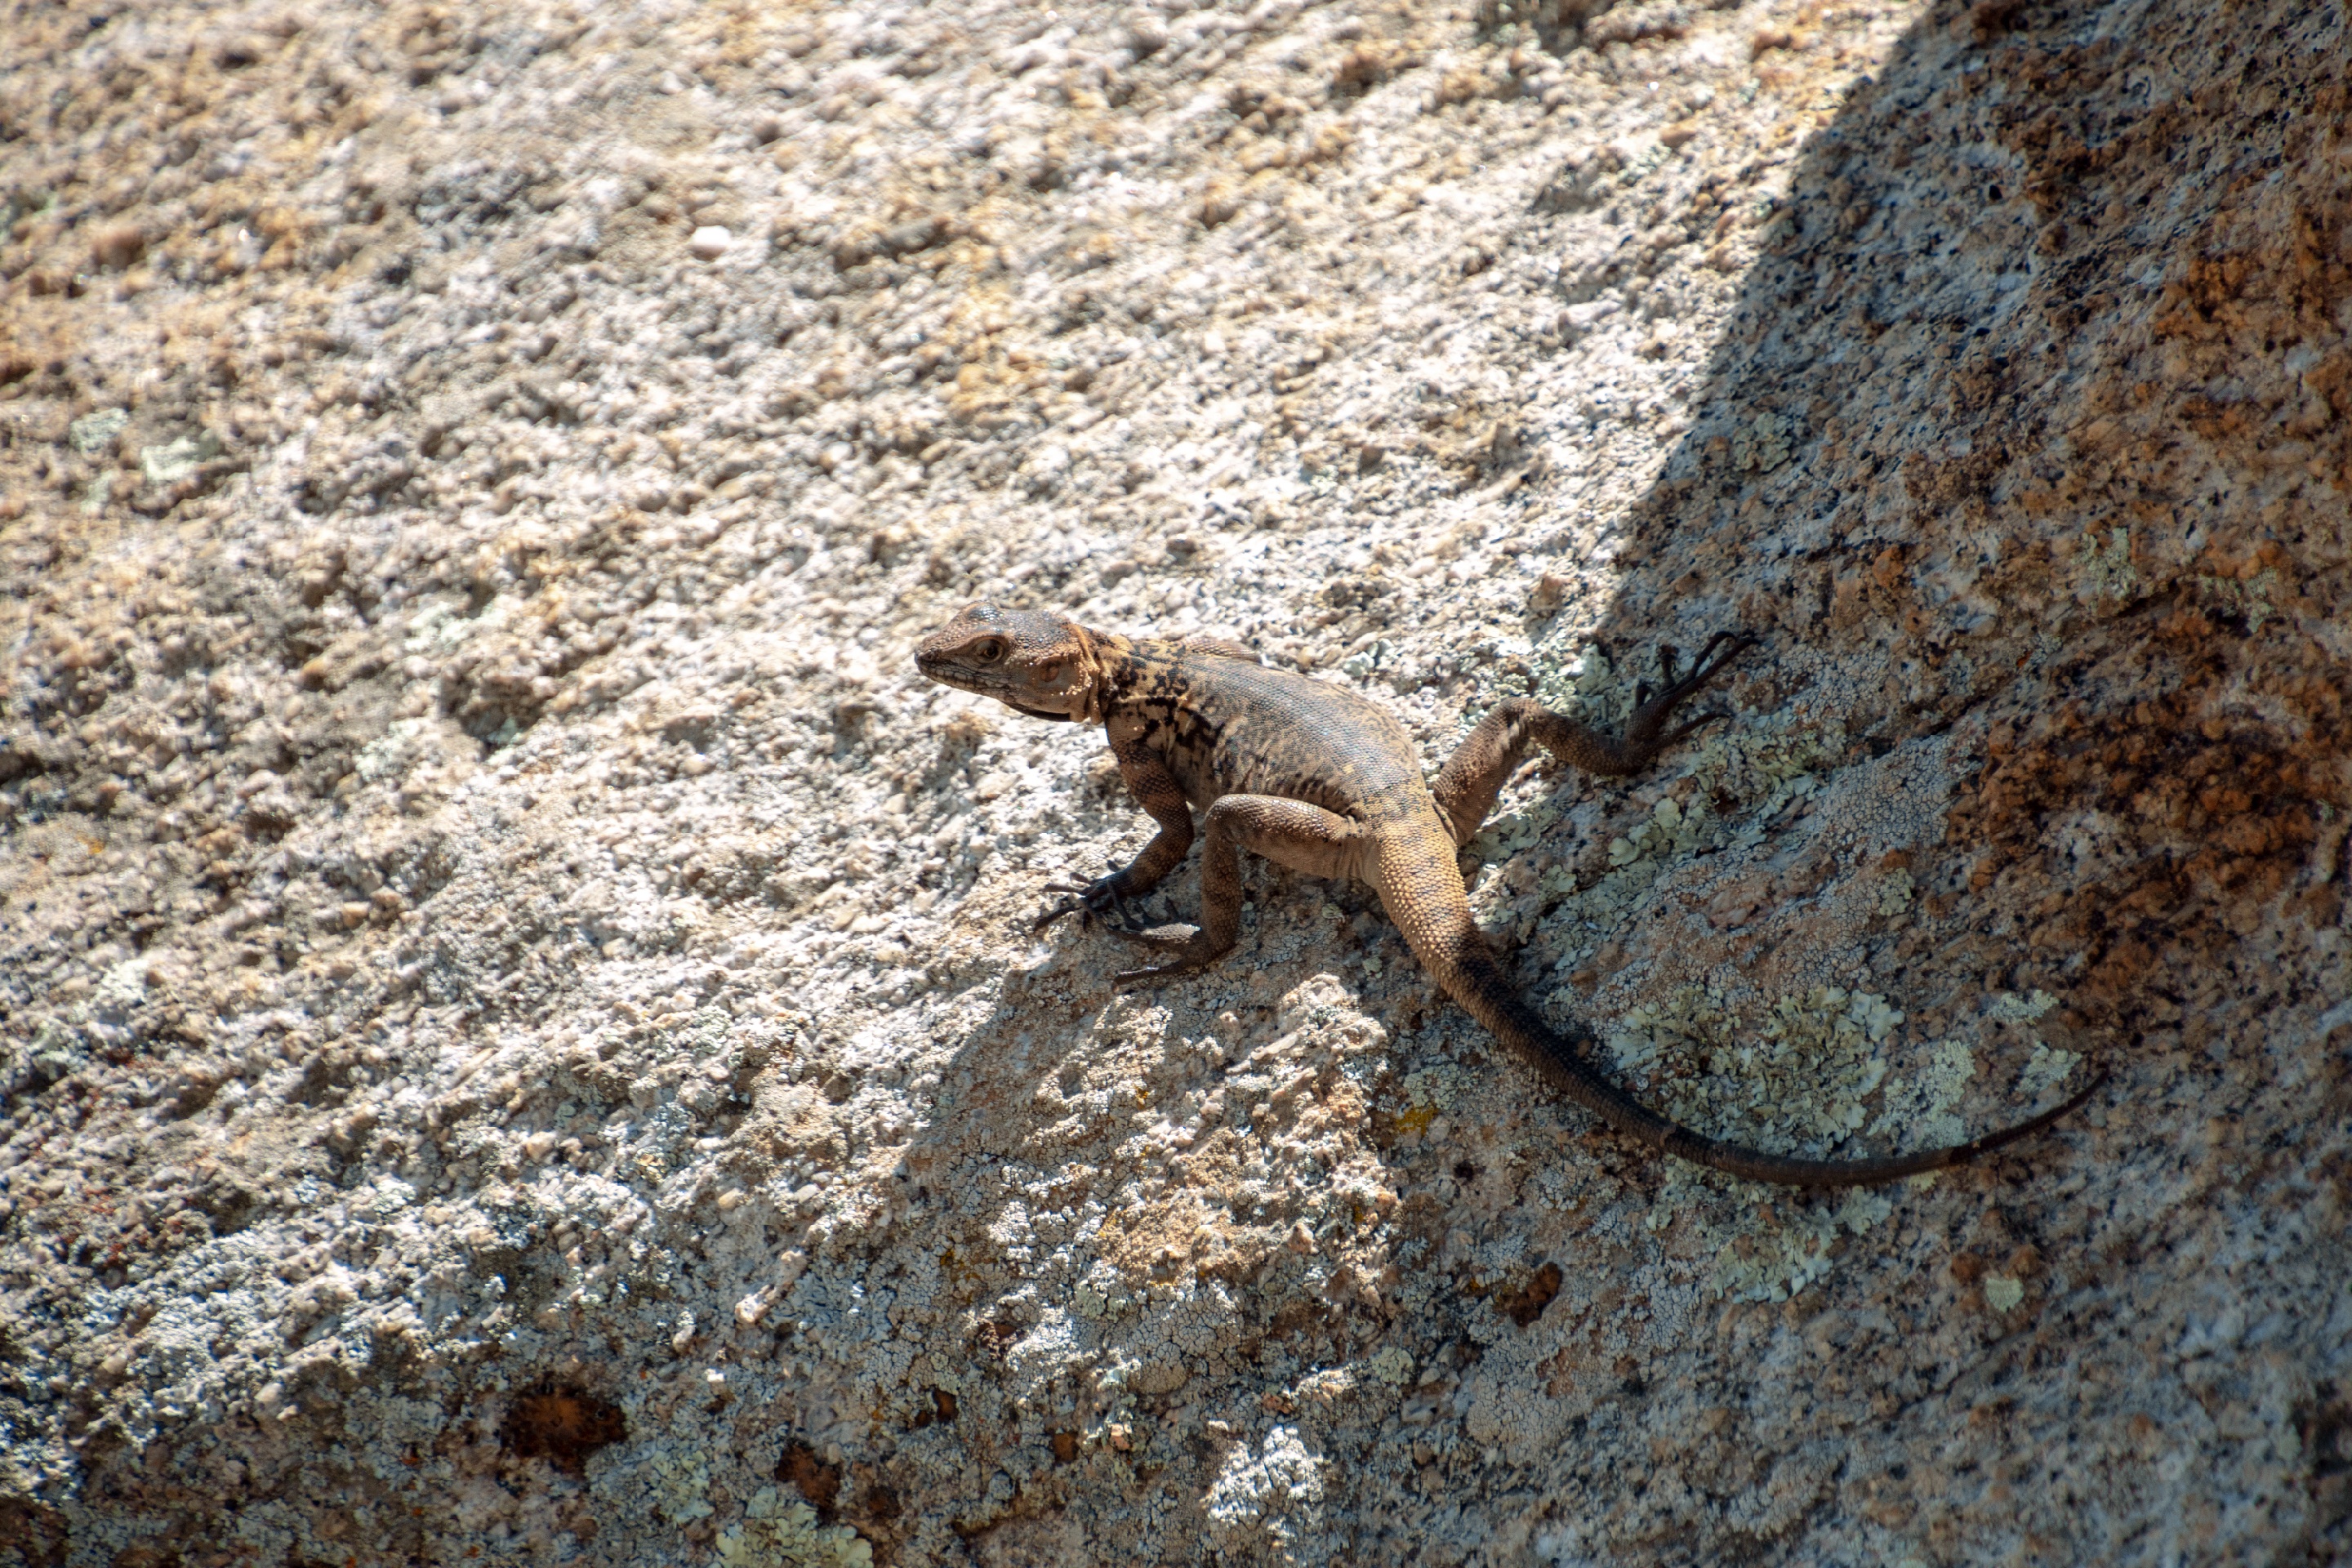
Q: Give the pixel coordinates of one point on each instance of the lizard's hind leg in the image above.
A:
(1288, 832)
(1474, 775)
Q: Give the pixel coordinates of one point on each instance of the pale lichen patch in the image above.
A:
(1391, 1366)
(777, 1534)
(1775, 1261)
(2006, 1007)
(1273, 1492)
(1918, 1109)
(2045, 1069)
(1795, 1083)
(2255, 599)
(2107, 570)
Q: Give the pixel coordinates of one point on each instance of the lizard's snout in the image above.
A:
(940, 665)
(933, 653)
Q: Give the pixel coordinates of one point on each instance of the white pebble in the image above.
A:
(711, 241)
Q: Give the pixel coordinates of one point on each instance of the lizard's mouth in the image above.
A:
(1014, 693)
(947, 672)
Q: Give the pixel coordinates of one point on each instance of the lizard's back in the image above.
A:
(1228, 726)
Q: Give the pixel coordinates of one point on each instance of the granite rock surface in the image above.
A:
(519, 1039)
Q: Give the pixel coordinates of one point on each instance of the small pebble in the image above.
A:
(119, 245)
(711, 241)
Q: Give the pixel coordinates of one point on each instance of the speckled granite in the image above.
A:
(517, 1027)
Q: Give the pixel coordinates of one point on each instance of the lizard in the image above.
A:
(1317, 778)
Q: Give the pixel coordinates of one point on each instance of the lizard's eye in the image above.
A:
(990, 651)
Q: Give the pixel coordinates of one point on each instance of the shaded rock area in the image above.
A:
(518, 1032)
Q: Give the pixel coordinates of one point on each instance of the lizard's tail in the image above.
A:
(1427, 903)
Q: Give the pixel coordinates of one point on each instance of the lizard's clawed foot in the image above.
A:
(1104, 899)
(1650, 712)
(1098, 899)
(1187, 954)
(1103, 903)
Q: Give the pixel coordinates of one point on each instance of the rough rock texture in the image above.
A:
(518, 1036)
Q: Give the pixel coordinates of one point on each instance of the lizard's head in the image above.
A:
(1040, 663)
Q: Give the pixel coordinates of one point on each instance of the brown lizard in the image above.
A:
(1319, 779)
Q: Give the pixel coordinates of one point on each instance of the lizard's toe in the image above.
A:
(1711, 664)
(1066, 907)
(1189, 955)
(1680, 730)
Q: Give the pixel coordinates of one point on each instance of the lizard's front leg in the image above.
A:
(1466, 788)
(1288, 832)
(1156, 790)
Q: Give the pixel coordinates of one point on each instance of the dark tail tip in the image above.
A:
(1960, 1154)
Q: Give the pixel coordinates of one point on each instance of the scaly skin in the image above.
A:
(1318, 779)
